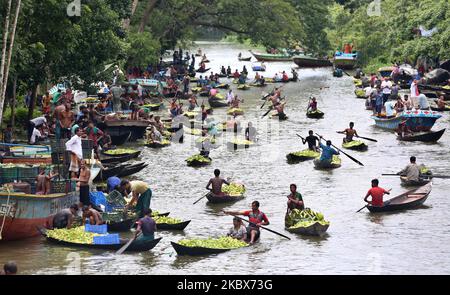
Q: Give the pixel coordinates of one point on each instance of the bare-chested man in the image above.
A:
(57, 116)
(349, 133)
(216, 183)
(83, 182)
(43, 182)
(67, 118)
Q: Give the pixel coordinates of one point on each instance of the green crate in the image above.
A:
(8, 172)
(27, 172)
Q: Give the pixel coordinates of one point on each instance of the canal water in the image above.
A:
(411, 242)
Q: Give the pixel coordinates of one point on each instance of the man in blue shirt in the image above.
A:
(327, 152)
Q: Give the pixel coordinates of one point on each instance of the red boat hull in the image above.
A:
(18, 229)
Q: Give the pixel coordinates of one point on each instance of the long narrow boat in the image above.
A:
(214, 199)
(134, 247)
(133, 155)
(417, 121)
(199, 70)
(217, 103)
(305, 61)
(122, 159)
(121, 138)
(436, 109)
(176, 226)
(121, 127)
(106, 173)
(132, 169)
(409, 200)
(424, 137)
(245, 58)
(271, 57)
(196, 251)
(345, 61)
(22, 213)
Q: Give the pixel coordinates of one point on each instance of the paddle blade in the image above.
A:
(121, 250)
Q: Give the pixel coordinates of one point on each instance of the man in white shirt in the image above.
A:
(230, 97)
(74, 145)
(389, 106)
(414, 91)
(386, 88)
(423, 102)
(35, 136)
(35, 123)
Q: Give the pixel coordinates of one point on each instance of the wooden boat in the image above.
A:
(217, 103)
(120, 139)
(199, 70)
(356, 145)
(44, 160)
(120, 226)
(132, 169)
(196, 251)
(336, 163)
(108, 172)
(305, 61)
(317, 114)
(153, 107)
(119, 127)
(423, 180)
(134, 247)
(302, 156)
(245, 58)
(215, 199)
(417, 121)
(424, 137)
(176, 226)
(345, 61)
(271, 57)
(157, 145)
(436, 109)
(315, 229)
(23, 213)
(197, 163)
(409, 200)
(122, 159)
(132, 155)
(276, 115)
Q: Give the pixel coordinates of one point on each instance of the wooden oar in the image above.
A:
(432, 175)
(341, 151)
(125, 247)
(367, 138)
(272, 231)
(300, 136)
(265, 114)
(200, 199)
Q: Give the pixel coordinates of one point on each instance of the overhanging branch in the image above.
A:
(220, 26)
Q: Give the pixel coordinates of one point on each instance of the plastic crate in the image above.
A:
(87, 153)
(98, 198)
(4, 180)
(111, 239)
(98, 229)
(61, 186)
(27, 172)
(110, 208)
(10, 173)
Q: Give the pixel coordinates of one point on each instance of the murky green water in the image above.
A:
(412, 242)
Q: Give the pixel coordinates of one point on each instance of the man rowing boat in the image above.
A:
(312, 141)
(349, 133)
(411, 172)
(312, 105)
(327, 152)
(377, 194)
(256, 218)
(216, 184)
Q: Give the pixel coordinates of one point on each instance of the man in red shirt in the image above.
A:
(256, 218)
(377, 194)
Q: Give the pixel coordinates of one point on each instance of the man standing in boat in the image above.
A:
(216, 184)
(377, 194)
(349, 133)
(256, 218)
(74, 146)
(411, 171)
(141, 195)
